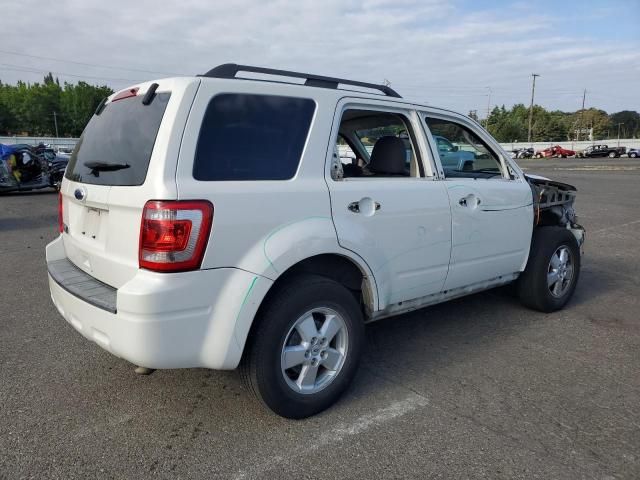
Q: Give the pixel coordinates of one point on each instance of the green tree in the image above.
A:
(29, 108)
(630, 121)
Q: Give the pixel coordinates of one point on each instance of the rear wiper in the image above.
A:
(106, 167)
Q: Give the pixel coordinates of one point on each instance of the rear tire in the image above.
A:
(612, 155)
(633, 155)
(552, 272)
(306, 347)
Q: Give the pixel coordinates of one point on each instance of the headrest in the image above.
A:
(389, 156)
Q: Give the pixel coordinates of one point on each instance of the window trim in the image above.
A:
(418, 141)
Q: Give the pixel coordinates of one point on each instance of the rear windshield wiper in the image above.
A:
(105, 166)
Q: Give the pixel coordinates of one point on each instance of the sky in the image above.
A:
(458, 54)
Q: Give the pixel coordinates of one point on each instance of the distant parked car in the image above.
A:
(633, 152)
(601, 151)
(555, 152)
(451, 155)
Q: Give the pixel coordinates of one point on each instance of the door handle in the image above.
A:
(469, 201)
(368, 203)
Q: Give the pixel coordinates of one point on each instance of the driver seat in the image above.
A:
(388, 158)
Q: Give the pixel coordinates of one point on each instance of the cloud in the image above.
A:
(440, 51)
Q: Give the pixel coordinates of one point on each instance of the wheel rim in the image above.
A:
(560, 271)
(314, 350)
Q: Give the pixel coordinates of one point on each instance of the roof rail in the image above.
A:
(230, 70)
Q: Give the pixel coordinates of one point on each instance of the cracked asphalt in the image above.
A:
(476, 388)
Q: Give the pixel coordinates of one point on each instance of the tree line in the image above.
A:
(35, 109)
(509, 125)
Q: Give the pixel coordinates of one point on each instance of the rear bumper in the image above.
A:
(182, 320)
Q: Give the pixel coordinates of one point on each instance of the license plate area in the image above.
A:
(93, 224)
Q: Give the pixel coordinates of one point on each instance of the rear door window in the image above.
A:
(115, 147)
(252, 137)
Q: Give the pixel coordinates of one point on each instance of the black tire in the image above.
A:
(261, 366)
(633, 155)
(612, 155)
(533, 290)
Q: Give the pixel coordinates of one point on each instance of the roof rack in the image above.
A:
(230, 70)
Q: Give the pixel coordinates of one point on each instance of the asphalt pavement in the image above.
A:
(476, 388)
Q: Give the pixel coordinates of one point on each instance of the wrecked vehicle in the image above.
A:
(554, 152)
(23, 168)
(211, 222)
(522, 152)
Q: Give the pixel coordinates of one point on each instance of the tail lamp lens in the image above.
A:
(174, 234)
(60, 220)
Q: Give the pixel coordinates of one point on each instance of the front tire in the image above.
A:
(306, 347)
(633, 155)
(552, 272)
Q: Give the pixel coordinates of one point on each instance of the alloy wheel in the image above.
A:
(560, 271)
(314, 350)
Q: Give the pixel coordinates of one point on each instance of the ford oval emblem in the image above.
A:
(80, 194)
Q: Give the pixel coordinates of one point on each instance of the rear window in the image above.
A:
(252, 137)
(115, 147)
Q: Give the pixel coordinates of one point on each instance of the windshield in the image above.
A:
(115, 147)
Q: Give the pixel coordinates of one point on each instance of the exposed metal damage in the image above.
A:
(553, 205)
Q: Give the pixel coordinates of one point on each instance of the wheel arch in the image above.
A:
(343, 267)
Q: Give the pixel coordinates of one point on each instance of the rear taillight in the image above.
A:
(174, 234)
(60, 221)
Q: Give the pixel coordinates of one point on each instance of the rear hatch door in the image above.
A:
(126, 156)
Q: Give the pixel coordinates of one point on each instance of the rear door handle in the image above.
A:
(354, 207)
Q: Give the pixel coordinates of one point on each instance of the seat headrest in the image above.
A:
(389, 156)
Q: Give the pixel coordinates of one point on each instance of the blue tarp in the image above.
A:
(5, 151)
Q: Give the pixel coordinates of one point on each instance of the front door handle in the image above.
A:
(469, 201)
(366, 206)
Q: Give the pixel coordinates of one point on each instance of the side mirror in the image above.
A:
(454, 148)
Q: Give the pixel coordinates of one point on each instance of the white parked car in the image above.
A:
(210, 222)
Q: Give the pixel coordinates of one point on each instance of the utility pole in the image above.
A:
(55, 122)
(533, 89)
(486, 126)
(584, 94)
(621, 123)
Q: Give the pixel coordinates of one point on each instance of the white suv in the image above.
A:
(210, 222)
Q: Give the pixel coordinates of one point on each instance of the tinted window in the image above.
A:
(115, 147)
(252, 137)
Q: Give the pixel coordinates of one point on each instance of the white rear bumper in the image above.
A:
(179, 320)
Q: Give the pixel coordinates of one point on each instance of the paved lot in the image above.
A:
(479, 387)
